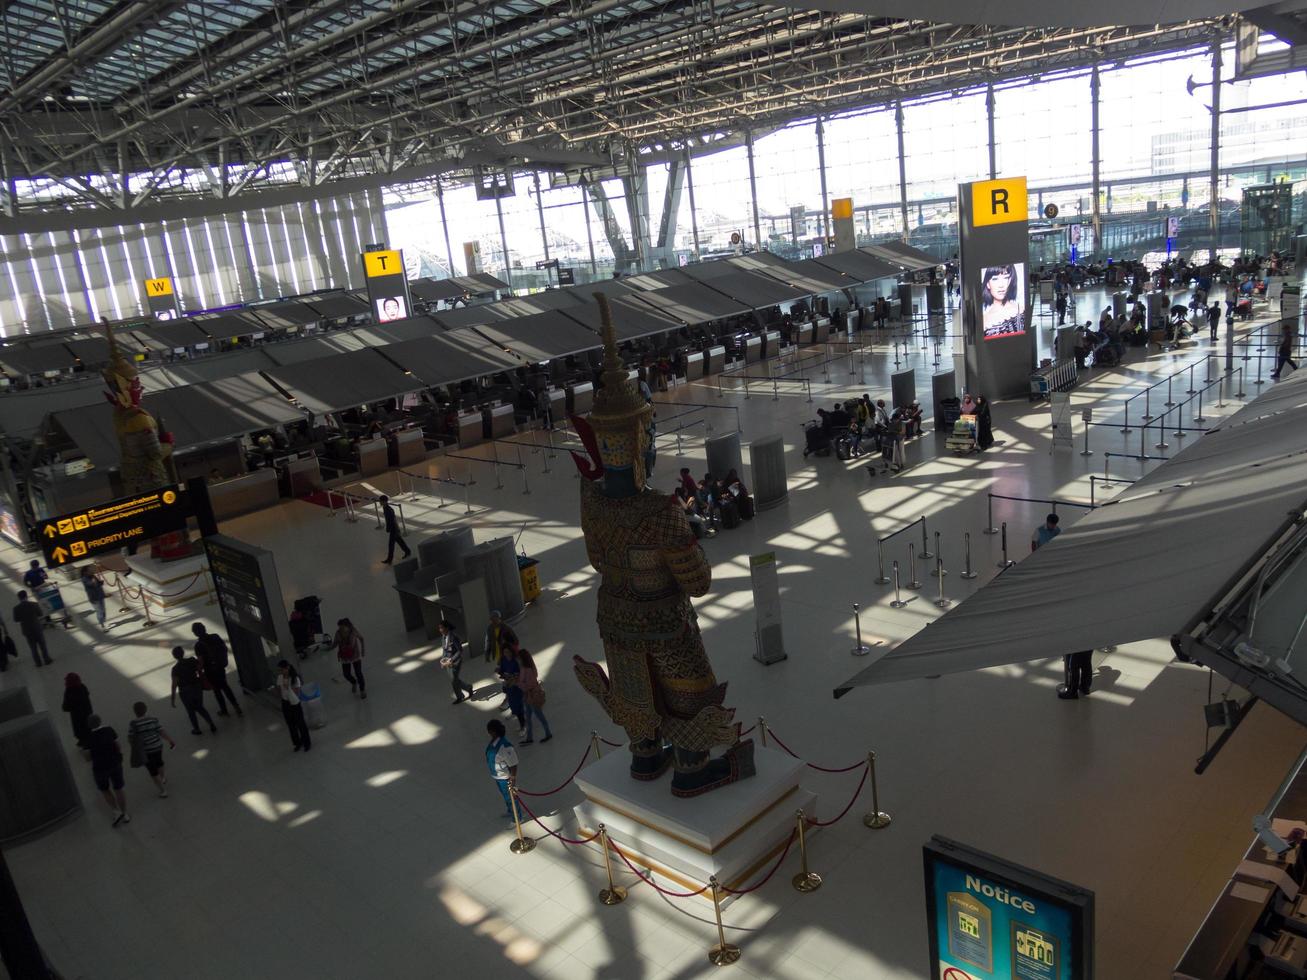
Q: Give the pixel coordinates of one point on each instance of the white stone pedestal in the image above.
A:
(166, 582)
(733, 832)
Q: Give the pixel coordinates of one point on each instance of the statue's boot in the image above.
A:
(649, 758)
(697, 773)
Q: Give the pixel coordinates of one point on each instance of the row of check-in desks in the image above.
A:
(706, 363)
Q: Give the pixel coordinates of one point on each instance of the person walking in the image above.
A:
(1045, 533)
(186, 682)
(27, 614)
(1214, 319)
(1079, 670)
(984, 424)
(452, 660)
(289, 686)
(107, 768)
(510, 672)
(93, 583)
(500, 640)
(146, 735)
(533, 695)
(211, 652)
(47, 593)
(392, 531)
(1288, 337)
(501, 760)
(77, 702)
(349, 651)
(1060, 306)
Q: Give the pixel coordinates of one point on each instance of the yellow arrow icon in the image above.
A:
(59, 555)
(49, 531)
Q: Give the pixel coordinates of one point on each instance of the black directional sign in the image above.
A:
(110, 526)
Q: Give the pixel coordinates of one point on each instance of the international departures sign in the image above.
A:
(108, 527)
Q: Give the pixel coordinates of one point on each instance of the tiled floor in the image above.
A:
(382, 852)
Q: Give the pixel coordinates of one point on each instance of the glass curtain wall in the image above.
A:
(862, 162)
(945, 142)
(722, 201)
(786, 166)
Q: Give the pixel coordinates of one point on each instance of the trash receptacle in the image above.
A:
(311, 701)
(529, 573)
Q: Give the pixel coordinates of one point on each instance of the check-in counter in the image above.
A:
(580, 398)
(806, 332)
(298, 477)
(497, 421)
(753, 350)
(469, 428)
(244, 494)
(407, 447)
(821, 330)
(557, 399)
(371, 455)
(694, 365)
(771, 343)
(714, 361)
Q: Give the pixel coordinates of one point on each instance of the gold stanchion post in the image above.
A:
(521, 844)
(876, 819)
(594, 744)
(614, 894)
(724, 953)
(762, 730)
(805, 881)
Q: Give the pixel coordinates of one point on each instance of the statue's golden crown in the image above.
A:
(621, 417)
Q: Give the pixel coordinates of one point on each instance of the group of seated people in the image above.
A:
(859, 426)
(711, 504)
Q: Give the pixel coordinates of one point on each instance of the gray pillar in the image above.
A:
(903, 170)
(821, 169)
(753, 189)
(767, 468)
(694, 217)
(989, 109)
(444, 224)
(724, 454)
(589, 233)
(1216, 147)
(540, 207)
(1095, 154)
(503, 238)
(36, 781)
(495, 563)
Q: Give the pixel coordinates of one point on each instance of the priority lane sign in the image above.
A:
(109, 526)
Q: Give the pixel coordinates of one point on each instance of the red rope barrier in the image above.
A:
(813, 765)
(746, 732)
(554, 833)
(775, 867)
(856, 793)
(641, 875)
(616, 745)
(522, 792)
(172, 595)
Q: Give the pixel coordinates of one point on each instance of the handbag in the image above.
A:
(138, 752)
(536, 697)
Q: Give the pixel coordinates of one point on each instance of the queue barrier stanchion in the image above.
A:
(724, 953)
(467, 491)
(521, 843)
(881, 577)
(1191, 380)
(876, 818)
(1004, 562)
(1086, 451)
(526, 486)
(805, 882)
(940, 573)
(896, 602)
(1161, 430)
(938, 570)
(989, 515)
(1199, 417)
(966, 548)
(1168, 403)
(860, 649)
(549, 437)
(925, 542)
(594, 742)
(614, 894)
(912, 567)
(762, 730)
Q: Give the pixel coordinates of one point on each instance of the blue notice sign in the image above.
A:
(992, 920)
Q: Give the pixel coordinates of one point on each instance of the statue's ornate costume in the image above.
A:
(662, 690)
(143, 458)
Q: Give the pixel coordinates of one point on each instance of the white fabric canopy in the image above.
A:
(1148, 564)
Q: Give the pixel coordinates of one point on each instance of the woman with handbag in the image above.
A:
(349, 651)
(534, 696)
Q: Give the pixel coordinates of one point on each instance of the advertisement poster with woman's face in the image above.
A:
(1003, 300)
(390, 308)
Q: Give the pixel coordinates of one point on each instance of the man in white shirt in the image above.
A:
(501, 760)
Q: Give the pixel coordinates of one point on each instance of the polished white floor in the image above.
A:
(382, 854)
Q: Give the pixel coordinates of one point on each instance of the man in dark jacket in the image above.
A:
(186, 682)
(392, 531)
(30, 619)
(1079, 670)
(211, 651)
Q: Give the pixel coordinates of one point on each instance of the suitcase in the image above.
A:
(746, 508)
(730, 515)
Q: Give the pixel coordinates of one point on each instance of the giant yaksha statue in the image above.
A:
(659, 686)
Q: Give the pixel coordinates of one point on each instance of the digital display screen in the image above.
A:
(1077, 232)
(165, 314)
(391, 308)
(1003, 300)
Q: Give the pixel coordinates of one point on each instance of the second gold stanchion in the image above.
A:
(805, 881)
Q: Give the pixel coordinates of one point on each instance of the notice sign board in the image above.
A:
(108, 527)
(990, 919)
(242, 585)
(161, 298)
(387, 285)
